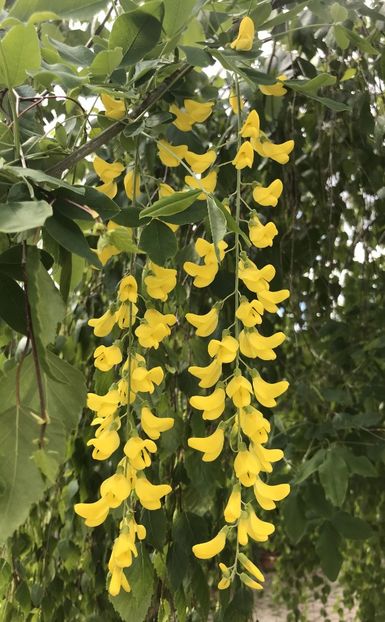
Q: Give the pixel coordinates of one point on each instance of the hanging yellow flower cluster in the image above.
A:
(141, 426)
(243, 390)
(108, 172)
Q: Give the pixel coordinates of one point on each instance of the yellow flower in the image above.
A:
(109, 189)
(250, 128)
(261, 235)
(206, 250)
(239, 390)
(266, 392)
(266, 495)
(277, 89)
(245, 156)
(258, 529)
(123, 392)
(103, 405)
(165, 191)
(105, 250)
(161, 282)
(149, 494)
(143, 380)
(245, 38)
(209, 549)
(128, 182)
(250, 312)
(212, 405)
(123, 550)
(183, 121)
(208, 375)
(115, 108)
(252, 344)
(270, 300)
(267, 149)
(153, 425)
(154, 328)
(104, 443)
(198, 111)
(246, 467)
(106, 357)
(207, 183)
(254, 424)
(118, 580)
(233, 507)
(171, 155)
(94, 513)
(250, 582)
(107, 171)
(200, 162)
(255, 280)
(126, 315)
(203, 274)
(250, 567)
(224, 583)
(268, 195)
(115, 489)
(136, 450)
(205, 324)
(103, 325)
(128, 289)
(225, 350)
(266, 456)
(233, 101)
(211, 446)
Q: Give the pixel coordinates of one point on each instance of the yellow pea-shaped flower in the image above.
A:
(171, 155)
(208, 375)
(251, 127)
(244, 156)
(233, 507)
(244, 40)
(199, 163)
(205, 324)
(269, 195)
(152, 425)
(276, 90)
(212, 405)
(207, 550)
(211, 446)
(266, 392)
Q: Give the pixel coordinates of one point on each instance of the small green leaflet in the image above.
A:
(173, 204)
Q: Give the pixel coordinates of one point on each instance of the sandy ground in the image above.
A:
(267, 611)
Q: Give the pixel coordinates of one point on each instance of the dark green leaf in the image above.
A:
(328, 550)
(351, 526)
(39, 178)
(12, 304)
(334, 476)
(294, 517)
(310, 466)
(137, 33)
(11, 262)
(156, 527)
(70, 236)
(197, 56)
(158, 241)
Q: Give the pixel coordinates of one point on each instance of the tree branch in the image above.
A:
(104, 137)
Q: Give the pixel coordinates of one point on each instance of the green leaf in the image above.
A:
(19, 53)
(177, 15)
(39, 177)
(327, 548)
(70, 236)
(78, 55)
(334, 476)
(294, 518)
(173, 204)
(106, 61)
(217, 222)
(137, 33)
(45, 317)
(158, 241)
(72, 206)
(261, 13)
(341, 37)
(231, 223)
(312, 86)
(11, 262)
(359, 465)
(195, 213)
(67, 9)
(12, 304)
(156, 527)
(338, 12)
(197, 56)
(122, 239)
(21, 484)
(284, 17)
(23, 215)
(309, 467)
(134, 605)
(351, 526)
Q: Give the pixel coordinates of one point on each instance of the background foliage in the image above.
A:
(53, 66)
